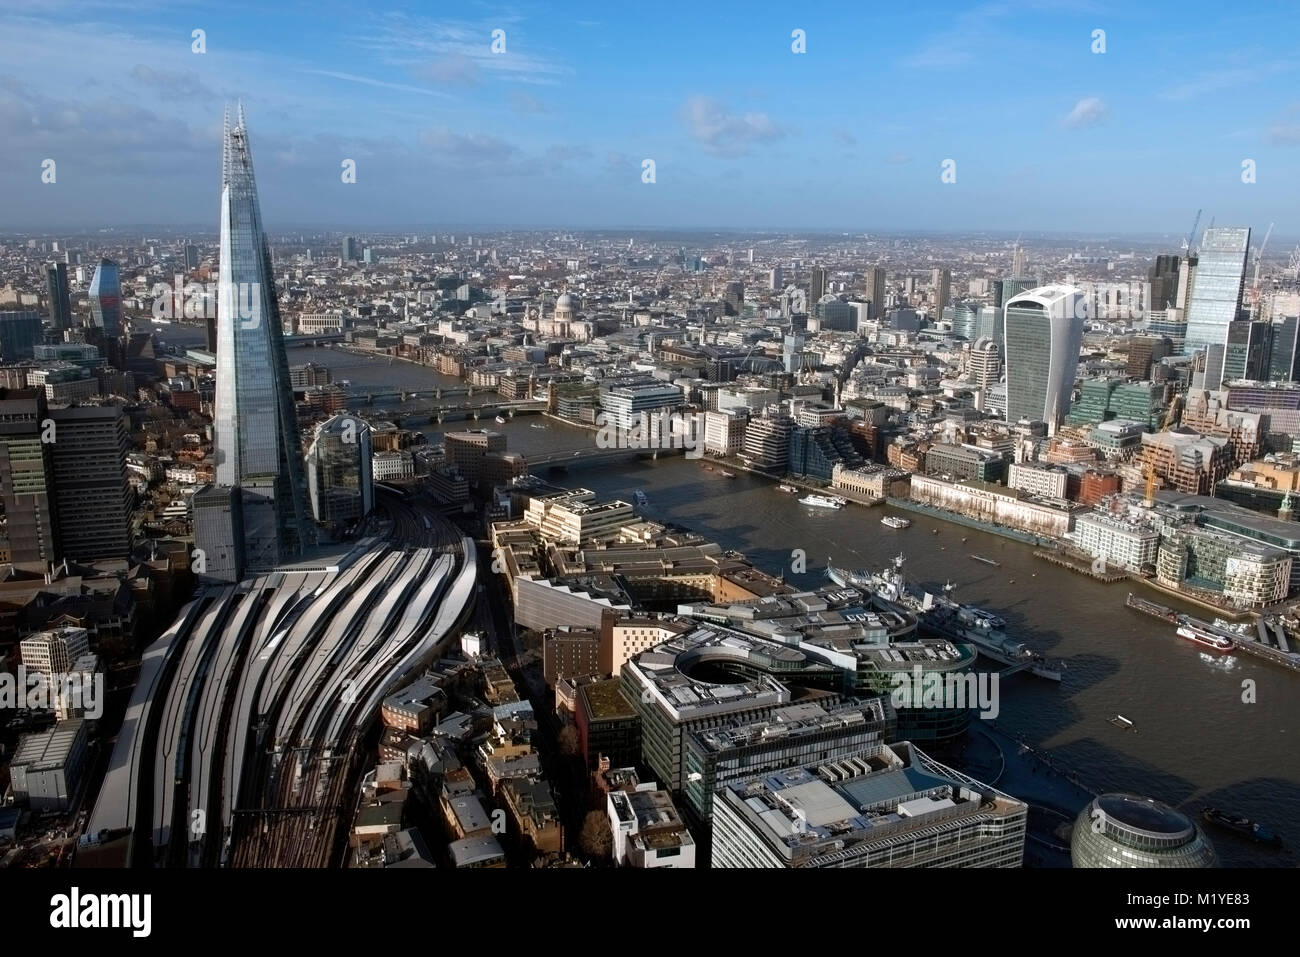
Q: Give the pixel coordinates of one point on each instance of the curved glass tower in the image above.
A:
(258, 449)
(1043, 332)
(1124, 830)
(106, 299)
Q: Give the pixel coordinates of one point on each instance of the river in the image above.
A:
(1199, 738)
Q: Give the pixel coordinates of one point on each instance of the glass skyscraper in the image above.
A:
(106, 299)
(20, 334)
(1044, 330)
(1215, 299)
(56, 278)
(258, 449)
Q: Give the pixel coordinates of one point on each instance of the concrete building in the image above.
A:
(576, 519)
(1041, 481)
(648, 831)
(883, 806)
(26, 477)
(995, 504)
(1116, 540)
(55, 651)
(724, 432)
(623, 405)
(94, 498)
(46, 768)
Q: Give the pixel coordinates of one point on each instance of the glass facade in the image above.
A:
(1216, 292)
(56, 279)
(257, 445)
(106, 299)
(20, 334)
(1124, 830)
(1043, 336)
(338, 471)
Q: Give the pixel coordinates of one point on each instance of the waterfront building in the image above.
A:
(884, 806)
(624, 405)
(1118, 541)
(767, 441)
(1039, 480)
(1125, 830)
(995, 505)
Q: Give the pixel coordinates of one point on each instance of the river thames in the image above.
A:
(1198, 737)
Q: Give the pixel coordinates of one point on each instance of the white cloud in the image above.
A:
(724, 133)
(1087, 112)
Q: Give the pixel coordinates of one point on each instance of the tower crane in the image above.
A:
(1254, 288)
(1191, 236)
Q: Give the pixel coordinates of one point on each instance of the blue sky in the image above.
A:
(744, 133)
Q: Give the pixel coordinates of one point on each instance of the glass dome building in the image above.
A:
(1125, 830)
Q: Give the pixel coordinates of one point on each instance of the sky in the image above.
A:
(553, 130)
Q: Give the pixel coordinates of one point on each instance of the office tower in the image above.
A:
(816, 285)
(210, 327)
(54, 652)
(1245, 354)
(734, 298)
(106, 299)
(218, 533)
(1145, 350)
(940, 290)
(1125, 830)
(965, 320)
(776, 279)
(257, 447)
(93, 498)
(985, 363)
(351, 249)
(791, 346)
(882, 806)
(26, 484)
(1215, 297)
(56, 278)
(367, 256)
(1163, 279)
(339, 477)
(876, 291)
(1284, 349)
(1044, 330)
(1018, 263)
(191, 256)
(20, 334)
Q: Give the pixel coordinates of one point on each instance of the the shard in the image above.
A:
(259, 465)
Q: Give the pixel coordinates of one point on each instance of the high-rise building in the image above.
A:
(1215, 297)
(26, 476)
(965, 319)
(351, 249)
(191, 256)
(1284, 349)
(53, 652)
(940, 289)
(985, 363)
(734, 298)
(1163, 279)
(106, 299)
(257, 448)
(776, 279)
(1246, 351)
(93, 497)
(339, 475)
(20, 334)
(56, 279)
(876, 291)
(1143, 351)
(1018, 264)
(816, 285)
(1044, 331)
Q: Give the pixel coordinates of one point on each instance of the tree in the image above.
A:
(568, 740)
(596, 840)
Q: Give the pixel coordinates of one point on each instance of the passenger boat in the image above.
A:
(895, 521)
(1242, 825)
(787, 488)
(820, 501)
(1200, 635)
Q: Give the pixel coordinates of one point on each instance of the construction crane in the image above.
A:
(1259, 256)
(1191, 235)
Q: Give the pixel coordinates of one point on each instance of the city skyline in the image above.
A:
(745, 133)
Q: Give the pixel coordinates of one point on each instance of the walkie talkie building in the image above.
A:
(258, 450)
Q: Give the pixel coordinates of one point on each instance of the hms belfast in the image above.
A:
(942, 617)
